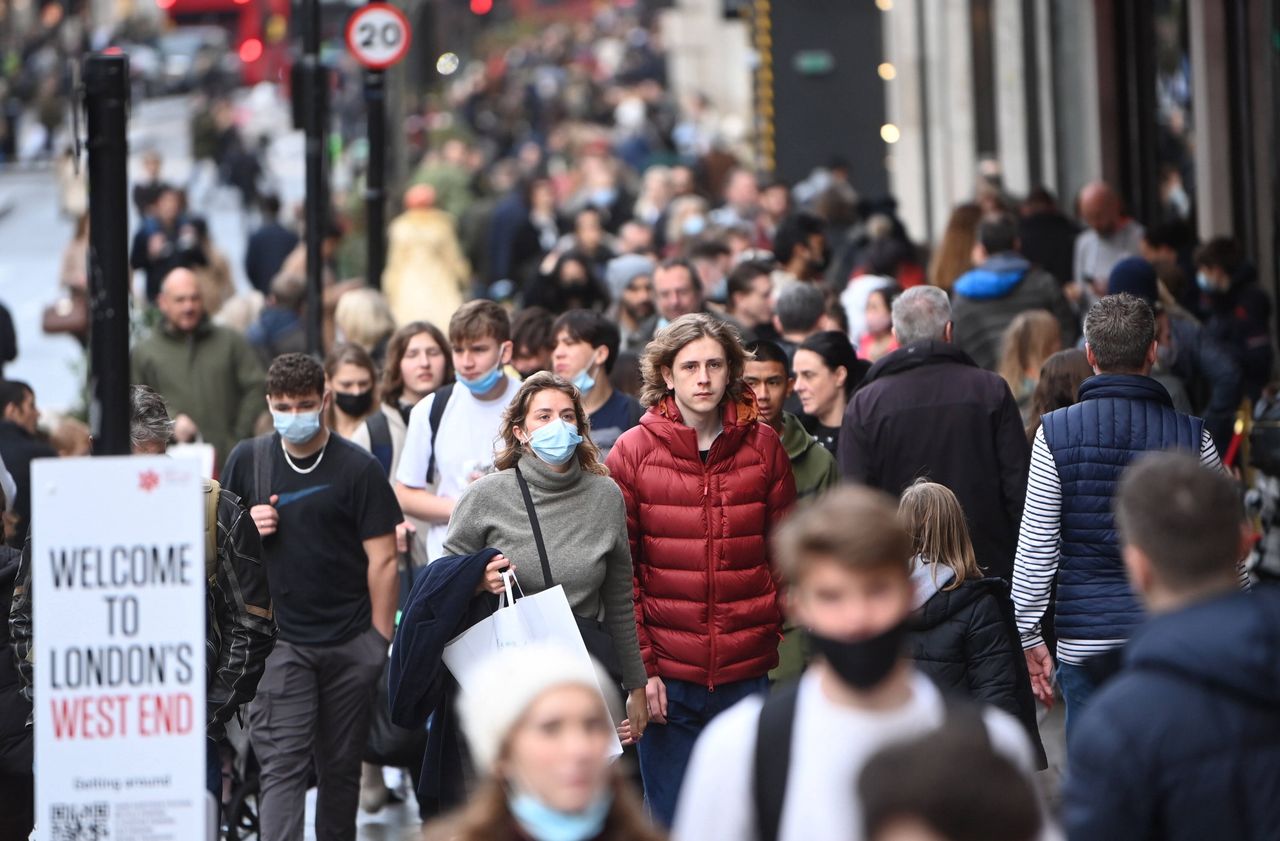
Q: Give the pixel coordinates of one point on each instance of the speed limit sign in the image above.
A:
(378, 35)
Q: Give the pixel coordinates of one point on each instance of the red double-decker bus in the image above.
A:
(257, 30)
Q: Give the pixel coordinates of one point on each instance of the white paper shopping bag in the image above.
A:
(542, 618)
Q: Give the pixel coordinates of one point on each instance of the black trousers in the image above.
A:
(312, 710)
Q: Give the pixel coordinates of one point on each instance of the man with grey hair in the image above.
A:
(926, 410)
(241, 629)
(920, 314)
(1069, 531)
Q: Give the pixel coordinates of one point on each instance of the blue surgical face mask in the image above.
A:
(483, 384)
(543, 823)
(555, 443)
(584, 382)
(693, 225)
(296, 428)
(1205, 284)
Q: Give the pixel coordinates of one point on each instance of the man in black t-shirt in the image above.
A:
(328, 524)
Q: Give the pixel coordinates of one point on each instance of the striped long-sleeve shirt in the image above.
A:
(1039, 552)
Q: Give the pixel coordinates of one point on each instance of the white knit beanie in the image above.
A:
(507, 683)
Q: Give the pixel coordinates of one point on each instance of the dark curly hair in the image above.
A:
(294, 375)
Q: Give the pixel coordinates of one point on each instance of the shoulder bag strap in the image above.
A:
(537, 530)
(773, 758)
(212, 491)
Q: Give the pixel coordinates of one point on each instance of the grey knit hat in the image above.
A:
(622, 270)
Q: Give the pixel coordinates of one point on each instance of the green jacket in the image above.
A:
(813, 466)
(211, 374)
(815, 471)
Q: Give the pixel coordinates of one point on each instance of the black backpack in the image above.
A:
(772, 761)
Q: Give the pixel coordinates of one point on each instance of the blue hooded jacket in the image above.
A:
(988, 298)
(995, 278)
(1184, 743)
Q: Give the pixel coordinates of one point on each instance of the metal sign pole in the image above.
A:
(106, 91)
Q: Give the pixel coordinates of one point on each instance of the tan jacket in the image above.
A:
(427, 277)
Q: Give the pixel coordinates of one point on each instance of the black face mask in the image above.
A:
(864, 664)
(355, 405)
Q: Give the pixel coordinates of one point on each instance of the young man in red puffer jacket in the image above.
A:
(706, 482)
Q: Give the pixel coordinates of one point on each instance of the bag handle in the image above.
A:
(509, 585)
(548, 581)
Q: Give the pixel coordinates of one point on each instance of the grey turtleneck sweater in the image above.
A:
(584, 525)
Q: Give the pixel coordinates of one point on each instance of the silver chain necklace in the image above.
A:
(296, 468)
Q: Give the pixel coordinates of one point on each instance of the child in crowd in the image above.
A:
(961, 630)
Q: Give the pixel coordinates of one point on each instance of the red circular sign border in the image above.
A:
(404, 47)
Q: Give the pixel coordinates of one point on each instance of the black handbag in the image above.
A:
(390, 744)
(598, 641)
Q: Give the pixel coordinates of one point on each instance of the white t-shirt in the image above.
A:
(830, 745)
(464, 444)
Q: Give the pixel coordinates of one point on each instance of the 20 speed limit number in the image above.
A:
(378, 35)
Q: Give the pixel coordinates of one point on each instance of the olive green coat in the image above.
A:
(211, 374)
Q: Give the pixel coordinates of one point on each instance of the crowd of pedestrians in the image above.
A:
(837, 522)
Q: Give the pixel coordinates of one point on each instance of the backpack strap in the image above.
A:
(773, 758)
(262, 468)
(441, 399)
(964, 716)
(380, 439)
(773, 748)
(212, 493)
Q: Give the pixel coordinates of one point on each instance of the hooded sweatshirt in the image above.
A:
(811, 463)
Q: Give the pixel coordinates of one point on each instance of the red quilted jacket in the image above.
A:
(707, 603)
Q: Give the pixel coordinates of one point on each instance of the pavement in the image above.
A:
(33, 233)
(34, 236)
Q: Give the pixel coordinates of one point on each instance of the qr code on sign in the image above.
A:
(80, 821)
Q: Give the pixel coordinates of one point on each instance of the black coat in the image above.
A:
(15, 736)
(966, 640)
(441, 606)
(19, 448)
(268, 248)
(1184, 743)
(926, 410)
(1049, 241)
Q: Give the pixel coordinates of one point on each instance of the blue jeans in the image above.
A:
(665, 748)
(1077, 686)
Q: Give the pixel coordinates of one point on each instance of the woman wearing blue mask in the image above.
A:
(538, 729)
(551, 489)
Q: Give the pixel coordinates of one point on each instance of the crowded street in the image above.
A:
(655, 420)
